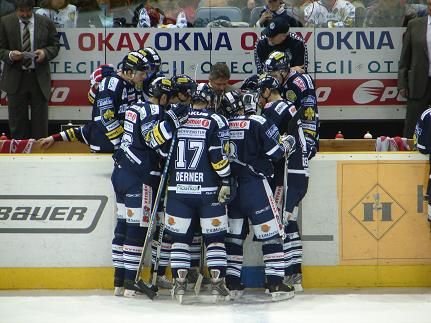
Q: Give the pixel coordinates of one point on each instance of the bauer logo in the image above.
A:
(50, 213)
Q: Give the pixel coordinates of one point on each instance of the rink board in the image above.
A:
(363, 222)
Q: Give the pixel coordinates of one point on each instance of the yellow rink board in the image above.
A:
(314, 277)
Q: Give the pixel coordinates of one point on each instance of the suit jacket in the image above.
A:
(45, 37)
(414, 62)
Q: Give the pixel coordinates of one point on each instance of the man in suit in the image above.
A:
(414, 73)
(27, 43)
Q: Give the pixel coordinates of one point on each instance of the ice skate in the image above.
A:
(164, 282)
(130, 290)
(180, 285)
(118, 291)
(281, 292)
(236, 290)
(297, 282)
(192, 277)
(218, 287)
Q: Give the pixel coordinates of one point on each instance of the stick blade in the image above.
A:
(149, 290)
(198, 284)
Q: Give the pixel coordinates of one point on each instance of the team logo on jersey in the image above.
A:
(130, 213)
(291, 96)
(108, 115)
(171, 220)
(292, 110)
(265, 227)
(309, 113)
(215, 222)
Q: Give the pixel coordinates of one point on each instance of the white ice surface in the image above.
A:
(317, 306)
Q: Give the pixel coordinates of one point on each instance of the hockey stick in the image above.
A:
(149, 289)
(200, 278)
(159, 245)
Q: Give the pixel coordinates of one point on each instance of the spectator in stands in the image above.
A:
(219, 77)
(26, 78)
(414, 73)
(273, 9)
(276, 37)
(146, 16)
(61, 12)
(6, 7)
(105, 13)
(385, 13)
(330, 13)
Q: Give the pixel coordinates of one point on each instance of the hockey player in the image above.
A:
(254, 144)
(115, 93)
(199, 186)
(297, 88)
(136, 175)
(422, 138)
(155, 63)
(284, 115)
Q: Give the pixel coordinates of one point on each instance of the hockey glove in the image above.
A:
(227, 191)
(177, 115)
(289, 143)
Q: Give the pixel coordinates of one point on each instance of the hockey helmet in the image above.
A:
(183, 84)
(160, 86)
(153, 58)
(277, 61)
(204, 93)
(135, 61)
(250, 83)
(267, 82)
(231, 103)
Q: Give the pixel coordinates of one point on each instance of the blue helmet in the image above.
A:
(277, 61)
(183, 84)
(160, 86)
(135, 61)
(231, 103)
(250, 83)
(204, 93)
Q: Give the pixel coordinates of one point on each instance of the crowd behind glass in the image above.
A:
(226, 13)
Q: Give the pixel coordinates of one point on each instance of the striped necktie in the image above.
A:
(26, 44)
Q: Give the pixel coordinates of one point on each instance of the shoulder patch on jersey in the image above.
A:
(292, 110)
(155, 109)
(309, 113)
(221, 121)
(309, 100)
(131, 116)
(309, 81)
(300, 83)
(291, 96)
(281, 106)
(259, 119)
(272, 131)
(128, 126)
(113, 82)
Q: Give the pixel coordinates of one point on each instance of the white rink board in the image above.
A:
(55, 241)
(54, 176)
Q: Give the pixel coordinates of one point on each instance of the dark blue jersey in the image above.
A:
(114, 96)
(299, 89)
(254, 145)
(422, 136)
(200, 158)
(141, 142)
(284, 115)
